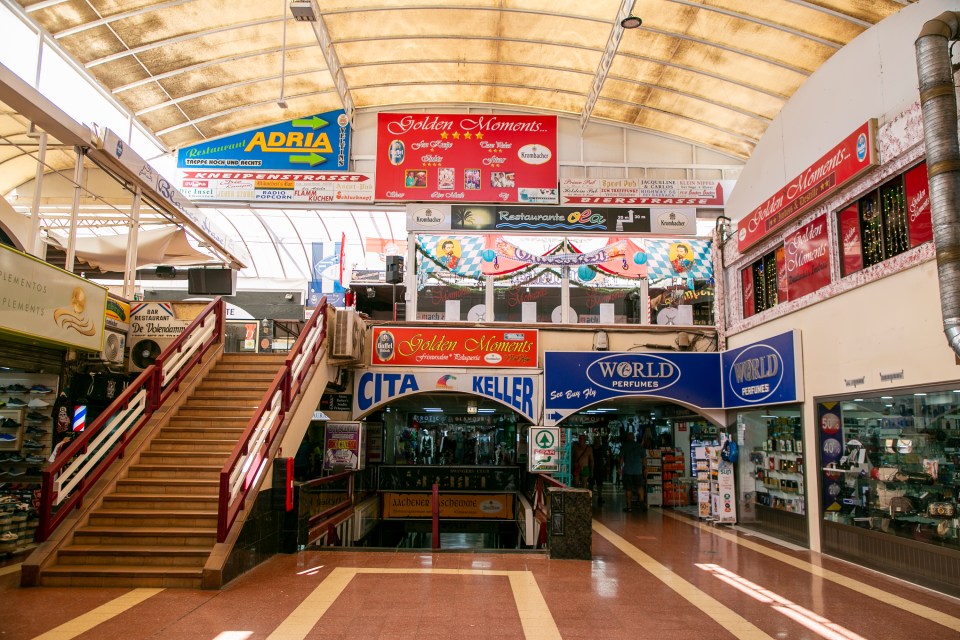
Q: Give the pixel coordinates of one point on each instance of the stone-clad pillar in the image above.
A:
(571, 513)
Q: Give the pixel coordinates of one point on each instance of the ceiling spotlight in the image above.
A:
(282, 104)
(471, 407)
(631, 22)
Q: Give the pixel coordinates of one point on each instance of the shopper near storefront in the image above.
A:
(601, 462)
(631, 460)
(583, 463)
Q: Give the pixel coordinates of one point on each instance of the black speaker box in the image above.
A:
(211, 282)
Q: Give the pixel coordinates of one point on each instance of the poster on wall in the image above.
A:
(466, 157)
(807, 259)
(345, 447)
(850, 245)
(918, 205)
(829, 421)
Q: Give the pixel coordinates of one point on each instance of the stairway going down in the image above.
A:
(159, 525)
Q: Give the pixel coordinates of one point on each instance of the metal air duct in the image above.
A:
(938, 101)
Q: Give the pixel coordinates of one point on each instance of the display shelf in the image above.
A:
(653, 477)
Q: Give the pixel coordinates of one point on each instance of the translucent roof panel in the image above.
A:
(712, 72)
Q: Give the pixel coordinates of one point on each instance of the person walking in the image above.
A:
(582, 455)
(631, 459)
(601, 459)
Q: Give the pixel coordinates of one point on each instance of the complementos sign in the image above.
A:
(763, 373)
(373, 388)
(438, 347)
(467, 158)
(842, 164)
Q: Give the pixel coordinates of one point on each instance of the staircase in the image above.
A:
(159, 525)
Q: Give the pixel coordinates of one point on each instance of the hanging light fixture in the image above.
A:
(631, 22)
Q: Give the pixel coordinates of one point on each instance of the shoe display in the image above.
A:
(40, 389)
(32, 444)
(7, 437)
(8, 537)
(37, 402)
(35, 460)
(36, 416)
(16, 402)
(14, 458)
(14, 471)
(34, 431)
(17, 388)
(9, 423)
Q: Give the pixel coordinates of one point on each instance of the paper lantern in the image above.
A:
(585, 273)
(640, 257)
(489, 255)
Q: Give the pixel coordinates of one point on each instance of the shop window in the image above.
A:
(891, 464)
(532, 296)
(764, 283)
(885, 222)
(771, 465)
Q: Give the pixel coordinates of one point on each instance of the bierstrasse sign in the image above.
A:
(644, 192)
(440, 347)
(466, 158)
(845, 162)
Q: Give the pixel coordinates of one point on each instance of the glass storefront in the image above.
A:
(890, 462)
(606, 280)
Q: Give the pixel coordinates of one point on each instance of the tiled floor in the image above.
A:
(654, 574)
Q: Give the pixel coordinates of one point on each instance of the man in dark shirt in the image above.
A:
(631, 457)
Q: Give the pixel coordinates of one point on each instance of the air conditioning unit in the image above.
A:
(303, 10)
(114, 346)
(348, 333)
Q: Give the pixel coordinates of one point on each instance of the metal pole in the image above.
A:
(33, 242)
(130, 269)
(435, 509)
(75, 209)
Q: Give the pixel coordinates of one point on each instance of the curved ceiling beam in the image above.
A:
(832, 12)
(93, 24)
(606, 61)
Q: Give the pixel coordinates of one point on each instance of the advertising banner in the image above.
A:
(749, 294)
(575, 380)
(524, 219)
(842, 164)
(544, 455)
(439, 347)
(762, 373)
(918, 205)
(303, 143)
(520, 392)
(644, 191)
(807, 259)
(276, 186)
(458, 505)
(469, 157)
(344, 446)
(448, 478)
(850, 246)
(40, 301)
(832, 482)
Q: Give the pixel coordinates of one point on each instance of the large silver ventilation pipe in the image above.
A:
(938, 101)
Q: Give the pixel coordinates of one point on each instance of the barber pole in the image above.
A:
(79, 418)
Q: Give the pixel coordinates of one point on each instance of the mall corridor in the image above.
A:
(654, 574)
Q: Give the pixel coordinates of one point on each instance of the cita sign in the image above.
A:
(845, 162)
(376, 388)
(544, 455)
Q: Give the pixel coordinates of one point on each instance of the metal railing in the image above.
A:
(250, 457)
(77, 467)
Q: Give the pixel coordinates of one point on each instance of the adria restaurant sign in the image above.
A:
(444, 347)
(841, 165)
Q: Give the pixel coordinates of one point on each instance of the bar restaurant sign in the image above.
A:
(43, 302)
(444, 347)
(841, 165)
(453, 505)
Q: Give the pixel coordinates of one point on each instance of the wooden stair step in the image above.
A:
(161, 501)
(130, 555)
(208, 421)
(202, 433)
(146, 535)
(92, 575)
(187, 457)
(182, 471)
(218, 409)
(187, 444)
(167, 485)
(173, 519)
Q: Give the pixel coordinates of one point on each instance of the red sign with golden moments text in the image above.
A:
(845, 162)
(466, 158)
(440, 347)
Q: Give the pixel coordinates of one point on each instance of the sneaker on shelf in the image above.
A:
(8, 537)
(9, 423)
(7, 437)
(33, 431)
(40, 389)
(15, 402)
(14, 471)
(37, 402)
(2, 403)
(13, 457)
(17, 388)
(32, 444)
(36, 416)
(35, 459)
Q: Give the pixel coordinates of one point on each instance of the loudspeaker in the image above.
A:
(394, 274)
(212, 282)
(166, 273)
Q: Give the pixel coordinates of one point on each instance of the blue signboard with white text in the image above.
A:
(575, 380)
(319, 142)
(762, 373)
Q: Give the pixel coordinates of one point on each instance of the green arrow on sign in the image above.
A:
(312, 159)
(545, 440)
(313, 123)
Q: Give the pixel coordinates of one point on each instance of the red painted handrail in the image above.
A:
(84, 461)
(250, 457)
